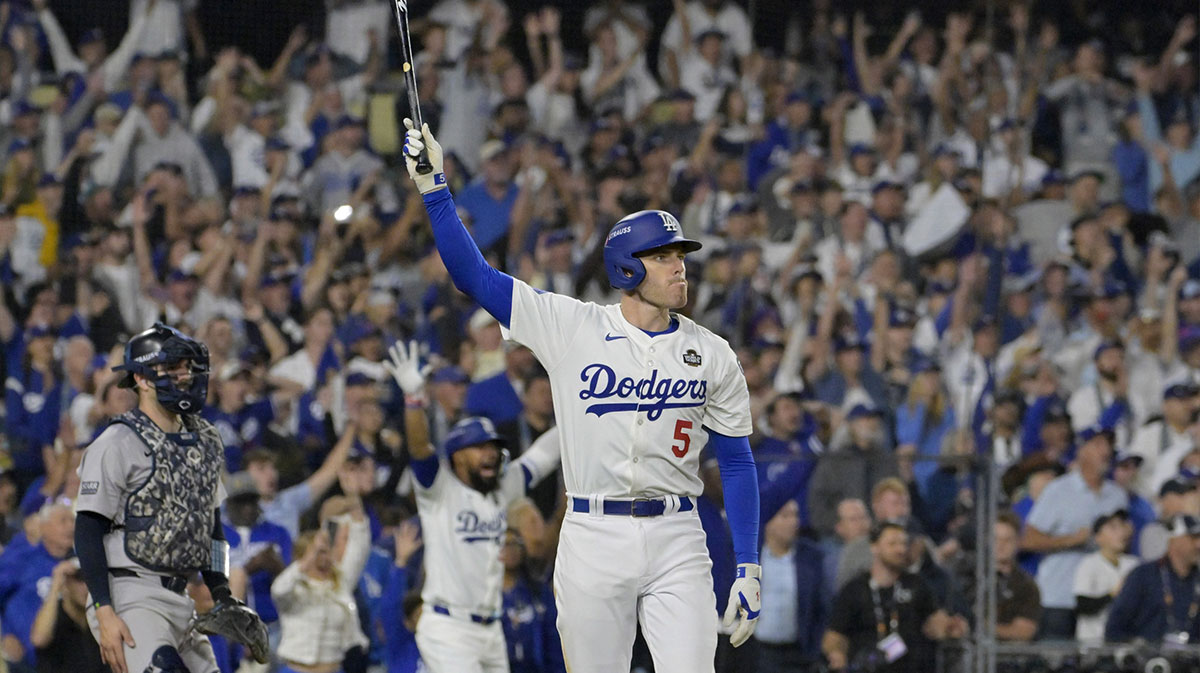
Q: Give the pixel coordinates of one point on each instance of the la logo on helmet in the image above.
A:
(669, 221)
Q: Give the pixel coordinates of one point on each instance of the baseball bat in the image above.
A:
(410, 79)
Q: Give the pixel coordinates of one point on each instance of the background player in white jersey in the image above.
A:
(638, 392)
(148, 518)
(463, 503)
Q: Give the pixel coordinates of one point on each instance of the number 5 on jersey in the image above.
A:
(681, 426)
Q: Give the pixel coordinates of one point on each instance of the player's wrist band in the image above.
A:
(414, 401)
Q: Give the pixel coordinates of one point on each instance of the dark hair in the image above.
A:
(1010, 519)
(881, 527)
(411, 603)
(317, 308)
(535, 373)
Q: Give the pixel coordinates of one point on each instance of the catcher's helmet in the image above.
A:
(636, 234)
(163, 345)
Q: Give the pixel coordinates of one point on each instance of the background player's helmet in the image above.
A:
(472, 432)
(635, 234)
(163, 345)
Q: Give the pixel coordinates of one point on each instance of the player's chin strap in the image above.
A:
(220, 557)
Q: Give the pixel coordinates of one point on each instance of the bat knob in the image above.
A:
(423, 165)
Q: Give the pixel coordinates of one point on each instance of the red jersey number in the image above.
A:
(681, 426)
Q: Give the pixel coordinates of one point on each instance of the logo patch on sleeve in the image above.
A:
(89, 488)
(691, 358)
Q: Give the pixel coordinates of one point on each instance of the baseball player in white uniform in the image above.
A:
(638, 392)
(463, 503)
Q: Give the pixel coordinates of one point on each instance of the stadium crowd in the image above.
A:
(934, 242)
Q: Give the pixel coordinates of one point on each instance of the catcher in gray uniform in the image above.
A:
(148, 519)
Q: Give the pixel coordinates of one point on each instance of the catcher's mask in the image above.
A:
(152, 352)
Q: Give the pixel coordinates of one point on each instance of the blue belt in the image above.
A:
(478, 619)
(638, 508)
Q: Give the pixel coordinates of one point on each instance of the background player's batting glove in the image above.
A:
(405, 368)
(744, 602)
(231, 618)
(414, 142)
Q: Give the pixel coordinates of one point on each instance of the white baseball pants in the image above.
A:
(614, 571)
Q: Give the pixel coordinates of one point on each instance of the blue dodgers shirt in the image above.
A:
(241, 430)
(23, 591)
(490, 218)
(263, 534)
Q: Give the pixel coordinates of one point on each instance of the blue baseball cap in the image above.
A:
(359, 379)
(863, 411)
(944, 150)
(799, 96)
(845, 343)
(1181, 391)
(924, 364)
(264, 108)
(900, 316)
(743, 206)
(1107, 345)
(276, 278)
(356, 329)
(559, 236)
(986, 321)
(472, 431)
(1053, 177)
(179, 275)
(1127, 455)
(939, 287)
(39, 331)
(24, 107)
(1093, 431)
(450, 374)
(1056, 411)
(886, 184)
(346, 121)
(861, 148)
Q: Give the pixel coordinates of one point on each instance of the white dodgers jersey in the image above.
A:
(463, 529)
(631, 409)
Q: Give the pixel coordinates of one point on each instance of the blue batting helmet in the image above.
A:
(472, 432)
(635, 234)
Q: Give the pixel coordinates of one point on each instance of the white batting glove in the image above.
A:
(745, 602)
(414, 142)
(404, 366)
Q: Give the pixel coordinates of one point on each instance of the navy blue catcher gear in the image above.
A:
(163, 345)
(166, 659)
(634, 235)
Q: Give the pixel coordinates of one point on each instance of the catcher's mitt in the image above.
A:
(231, 619)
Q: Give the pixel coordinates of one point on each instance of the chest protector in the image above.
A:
(169, 517)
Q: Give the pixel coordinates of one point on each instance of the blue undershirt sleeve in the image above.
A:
(470, 272)
(90, 528)
(425, 470)
(739, 479)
